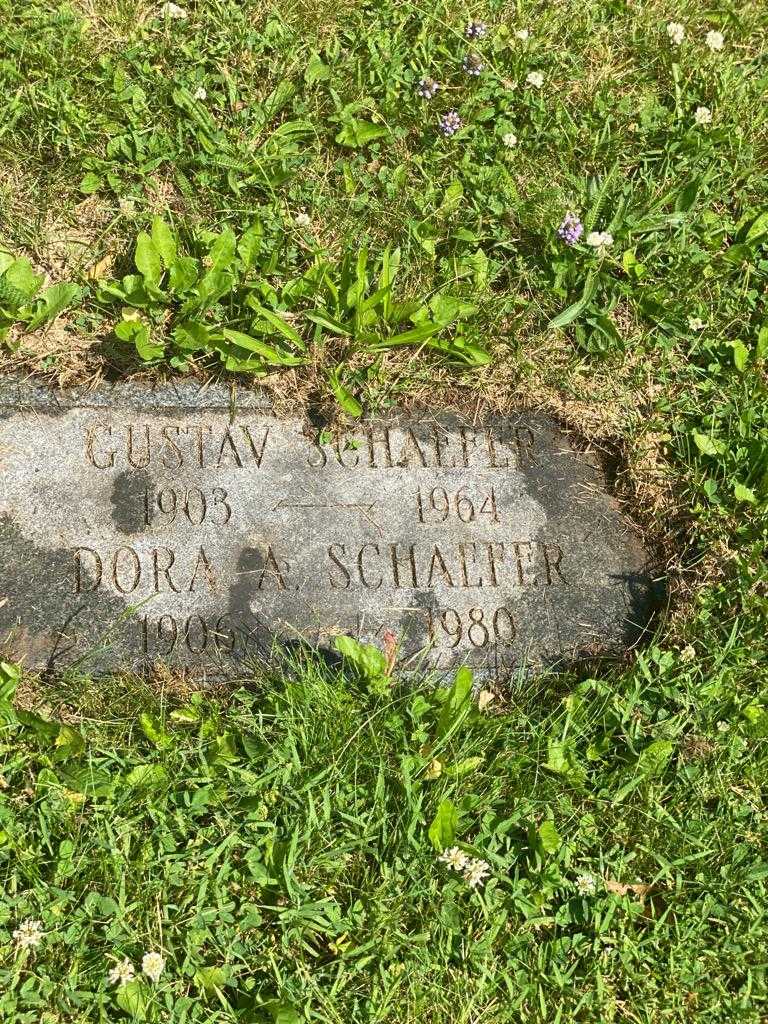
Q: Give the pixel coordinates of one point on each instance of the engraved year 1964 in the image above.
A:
(438, 505)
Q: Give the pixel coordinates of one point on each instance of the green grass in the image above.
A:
(279, 839)
(276, 849)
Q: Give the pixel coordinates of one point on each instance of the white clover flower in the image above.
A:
(715, 41)
(522, 34)
(509, 139)
(676, 32)
(536, 79)
(688, 653)
(695, 323)
(427, 88)
(127, 207)
(703, 116)
(599, 239)
(454, 858)
(172, 10)
(152, 965)
(122, 973)
(302, 220)
(28, 934)
(476, 29)
(586, 885)
(484, 699)
(200, 93)
(475, 872)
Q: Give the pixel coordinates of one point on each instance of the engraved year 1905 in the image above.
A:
(164, 635)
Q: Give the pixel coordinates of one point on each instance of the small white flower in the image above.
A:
(127, 207)
(715, 41)
(536, 79)
(172, 10)
(484, 699)
(676, 33)
(152, 964)
(122, 973)
(200, 93)
(303, 220)
(509, 140)
(586, 885)
(695, 323)
(703, 116)
(28, 934)
(599, 239)
(454, 858)
(723, 726)
(475, 872)
(522, 34)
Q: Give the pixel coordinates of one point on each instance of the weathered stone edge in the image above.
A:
(18, 394)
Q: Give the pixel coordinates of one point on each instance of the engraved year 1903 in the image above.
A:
(193, 505)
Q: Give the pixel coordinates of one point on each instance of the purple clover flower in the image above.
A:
(473, 64)
(571, 229)
(427, 88)
(476, 30)
(450, 123)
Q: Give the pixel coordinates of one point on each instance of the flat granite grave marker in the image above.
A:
(177, 524)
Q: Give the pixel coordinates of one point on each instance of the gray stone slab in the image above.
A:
(193, 526)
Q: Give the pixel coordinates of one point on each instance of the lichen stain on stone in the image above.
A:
(43, 622)
(129, 494)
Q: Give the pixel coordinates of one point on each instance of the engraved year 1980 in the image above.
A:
(479, 627)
